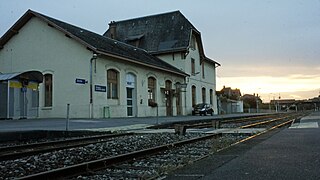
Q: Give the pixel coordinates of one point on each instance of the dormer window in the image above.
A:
(193, 42)
(134, 40)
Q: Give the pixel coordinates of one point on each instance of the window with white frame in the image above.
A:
(151, 89)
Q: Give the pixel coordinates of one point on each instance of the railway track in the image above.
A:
(143, 163)
(68, 157)
(15, 152)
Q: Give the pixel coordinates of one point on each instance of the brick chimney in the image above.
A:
(112, 29)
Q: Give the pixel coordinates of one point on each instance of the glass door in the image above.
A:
(129, 101)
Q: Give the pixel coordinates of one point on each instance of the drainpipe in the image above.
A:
(8, 100)
(94, 57)
(185, 97)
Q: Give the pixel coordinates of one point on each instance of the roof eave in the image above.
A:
(14, 29)
(212, 61)
(182, 49)
(70, 35)
(141, 63)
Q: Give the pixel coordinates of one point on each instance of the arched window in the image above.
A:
(211, 96)
(193, 90)
(48, 90)
(193, 67)
(112, 84)
(152, 82)
(168, 85)
(203, 95)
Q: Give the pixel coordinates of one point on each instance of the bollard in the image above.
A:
(218, 124)
(215, 124)
(180, 129)
(157, 114)
(67, 123)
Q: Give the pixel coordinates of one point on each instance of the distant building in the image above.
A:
(230, 93)
(251, 102)
(229, 101)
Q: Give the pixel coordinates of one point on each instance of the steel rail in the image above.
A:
(249, 118)
(263, 122)
(13, 152)
(260, 133)
(90, 166)
(209, 124)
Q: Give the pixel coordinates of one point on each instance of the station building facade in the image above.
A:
(100, 76)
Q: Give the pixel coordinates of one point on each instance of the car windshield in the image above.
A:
(200, 105)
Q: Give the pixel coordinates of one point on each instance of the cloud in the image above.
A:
(293, 86)
(253, 70)
(298, 95)
(304, 76)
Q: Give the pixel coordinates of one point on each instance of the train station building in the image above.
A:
(149, 66)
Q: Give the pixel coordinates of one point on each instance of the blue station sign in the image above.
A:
(99, 88)
(80, 81)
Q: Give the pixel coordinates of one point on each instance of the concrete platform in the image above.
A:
(290, 153)
(111, 124)
(311, 121)
(204, 131)
(237, 130)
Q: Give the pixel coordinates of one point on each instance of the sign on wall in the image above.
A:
(99, 88)
(80, 81)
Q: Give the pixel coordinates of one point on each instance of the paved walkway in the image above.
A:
(292, 153)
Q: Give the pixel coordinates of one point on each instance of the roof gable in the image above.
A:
(95, 42)
(157, 34)
(161, 32)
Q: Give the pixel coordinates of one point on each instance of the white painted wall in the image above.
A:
(40, 47)
(209, 82)
(118, 107)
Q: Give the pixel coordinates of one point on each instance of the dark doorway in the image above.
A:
(168, 94)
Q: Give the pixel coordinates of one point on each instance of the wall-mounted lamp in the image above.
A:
(94, 56)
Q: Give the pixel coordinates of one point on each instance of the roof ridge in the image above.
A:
(101, 36)
(147, 16)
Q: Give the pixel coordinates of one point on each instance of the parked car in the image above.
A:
(202, 109)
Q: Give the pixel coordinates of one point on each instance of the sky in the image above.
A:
(266, 47)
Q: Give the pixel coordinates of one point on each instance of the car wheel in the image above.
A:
(205, 113)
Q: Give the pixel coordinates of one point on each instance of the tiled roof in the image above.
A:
(161, 32)
(157, 34)
(101, 44)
